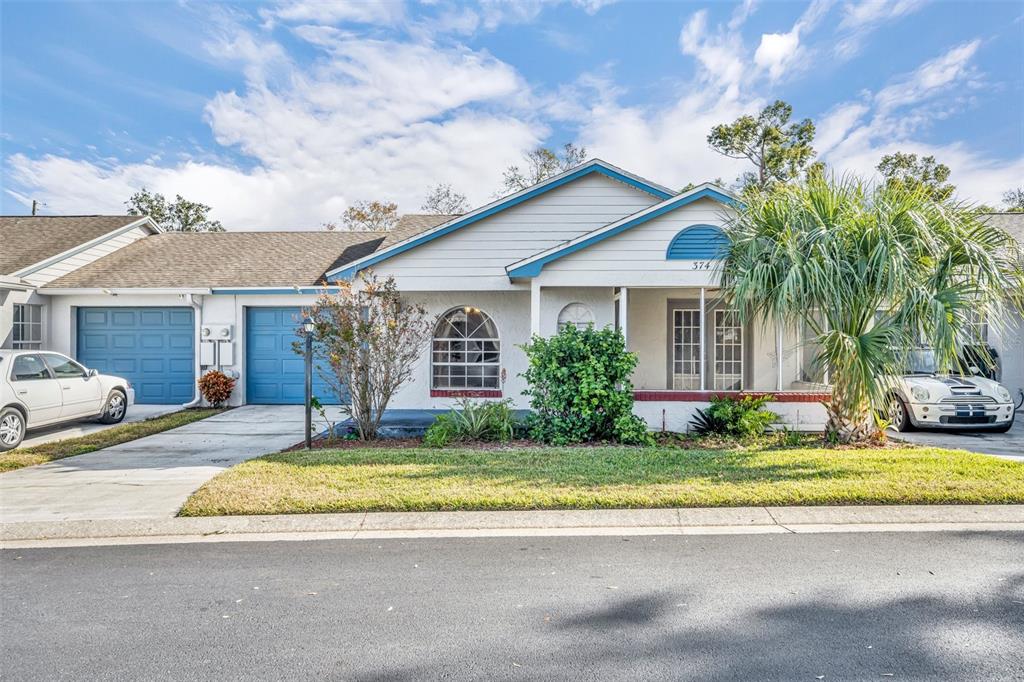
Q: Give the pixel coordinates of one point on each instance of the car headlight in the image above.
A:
(920, 394)
(1003, 393)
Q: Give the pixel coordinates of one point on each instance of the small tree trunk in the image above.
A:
(849, 418)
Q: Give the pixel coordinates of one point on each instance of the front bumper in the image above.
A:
(947, 416)
(131, 396)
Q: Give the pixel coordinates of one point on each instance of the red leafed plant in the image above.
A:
(216, 387)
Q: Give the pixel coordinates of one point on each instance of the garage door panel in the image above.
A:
(275, 374)
(153, 348)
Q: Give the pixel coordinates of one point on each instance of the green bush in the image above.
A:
(483, 420)
(740, 417)
(579, 388)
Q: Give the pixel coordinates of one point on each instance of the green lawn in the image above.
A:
(47, 452)
(602, 477)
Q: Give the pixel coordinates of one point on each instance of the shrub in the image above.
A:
(740, 417)
(579, 388)
(483, 420)
(216, 387)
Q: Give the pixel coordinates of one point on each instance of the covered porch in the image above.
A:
(690, 346)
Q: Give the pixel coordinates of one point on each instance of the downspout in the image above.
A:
(197, 306)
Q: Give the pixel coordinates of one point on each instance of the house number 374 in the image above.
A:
(701, 265)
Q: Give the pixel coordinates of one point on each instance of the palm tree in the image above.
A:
(872, 271)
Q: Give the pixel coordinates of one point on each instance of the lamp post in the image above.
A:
(308, 326)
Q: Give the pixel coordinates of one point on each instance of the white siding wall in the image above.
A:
(474, 257)
(1009, 341)
(637, 256)
(63, 267)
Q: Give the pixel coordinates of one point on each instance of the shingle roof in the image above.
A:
(223, 259)
(1010, 222)
(412, 224)
(27, 240)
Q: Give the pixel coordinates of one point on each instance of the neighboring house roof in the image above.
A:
(31, 240)
(592, 166)
(532, 266)
(1010, 222)
(223, 259)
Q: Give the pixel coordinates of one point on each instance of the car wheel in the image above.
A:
(12, 428)
(115, 409)
(899, 416)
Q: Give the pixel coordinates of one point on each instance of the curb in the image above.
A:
(367, 525)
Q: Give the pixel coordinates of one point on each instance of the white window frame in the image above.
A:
(682, 380)
(488, 381)
(722, 380)
(22, 336)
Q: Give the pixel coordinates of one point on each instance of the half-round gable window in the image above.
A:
(576, 314)
(466, 350)
(698, 242)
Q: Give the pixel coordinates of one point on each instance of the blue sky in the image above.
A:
(280, 115)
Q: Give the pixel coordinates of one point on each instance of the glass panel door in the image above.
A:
(685, 349)
(728, 342)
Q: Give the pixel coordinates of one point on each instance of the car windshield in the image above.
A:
(920, 361)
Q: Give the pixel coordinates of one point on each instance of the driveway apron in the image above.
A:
(150, 477)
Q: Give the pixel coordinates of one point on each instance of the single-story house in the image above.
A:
(594, 245)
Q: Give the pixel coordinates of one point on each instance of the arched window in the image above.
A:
(698, 242)
(576, 314)
(466, 351)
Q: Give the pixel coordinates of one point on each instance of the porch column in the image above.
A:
(778, 355)
(624, 314)
(703, 356)
(534, 307)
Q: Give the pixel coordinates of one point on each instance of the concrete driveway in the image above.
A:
(1009, 445)
(150, 477)
(136, 413)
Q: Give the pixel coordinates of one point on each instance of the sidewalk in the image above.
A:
(728, 520)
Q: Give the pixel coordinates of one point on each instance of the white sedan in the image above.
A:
(924, 398)
(40, 388)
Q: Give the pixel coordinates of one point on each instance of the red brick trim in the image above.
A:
(464, 393)
(705, 396)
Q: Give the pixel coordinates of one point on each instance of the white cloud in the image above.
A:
(720, 52)
(776, 51)
(861, 18)
(384, 12)
(367, 119)
(952, 69)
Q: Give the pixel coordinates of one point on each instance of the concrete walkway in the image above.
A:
(355, 526)
(148, 478)
(50, 434)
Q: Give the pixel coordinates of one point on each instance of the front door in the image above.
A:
(36, 388)
(80, 393)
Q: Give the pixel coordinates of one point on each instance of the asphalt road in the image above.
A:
(752, 607)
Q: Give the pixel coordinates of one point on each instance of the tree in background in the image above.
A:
(366, 341)
(367, 216)
(443, 200)
(539, 165)
(181, 215)
(1014, 200)
(872, 271)
(779, 150)
(926, 172)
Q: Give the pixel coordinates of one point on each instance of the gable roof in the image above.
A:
(32, 240)
(175, 260)
(592, 166)
(414, 223)
(532, 266)
(1013, 223)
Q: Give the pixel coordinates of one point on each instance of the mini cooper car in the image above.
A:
(923, 398)
(40, 388)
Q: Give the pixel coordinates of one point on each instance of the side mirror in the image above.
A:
(973, 369)
(92, 373)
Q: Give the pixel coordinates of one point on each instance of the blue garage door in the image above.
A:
(153, 348)
(274, 372)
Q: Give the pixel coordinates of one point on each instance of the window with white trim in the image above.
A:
(576, 314)
(466, 351)
(28, 326)
(728, 342)
(685, 348)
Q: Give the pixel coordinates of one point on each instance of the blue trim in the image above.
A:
(697, 242)
(349, 271)
(247, 292)
(534, 268)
